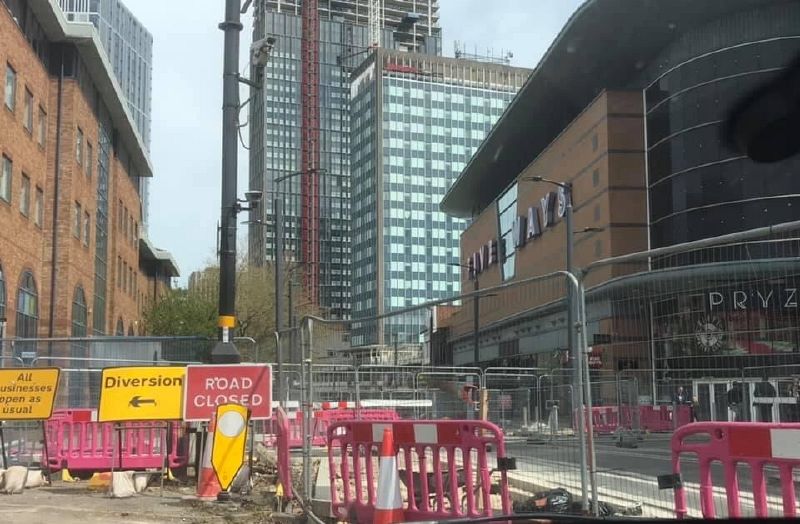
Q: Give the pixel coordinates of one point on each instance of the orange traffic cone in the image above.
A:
(389, 506)
(207, 483)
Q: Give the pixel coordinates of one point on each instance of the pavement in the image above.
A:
(73, 503)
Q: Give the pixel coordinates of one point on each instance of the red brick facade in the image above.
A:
(57, 246)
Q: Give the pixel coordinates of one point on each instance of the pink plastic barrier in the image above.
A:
(731, 443)
(76, 442)
(323, 420)
(605, 419)
(443, 463)
(281, 424)
(657, 419)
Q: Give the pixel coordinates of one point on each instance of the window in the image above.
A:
(120, 331)
(27, 117)
(38, 207)
(594, 143)
(25, 195)
(79, 146)
(89, 159)
(595, 177)
(5, 179)
(77, 215)
(27, 307)
(87, 220)
(119, 216)
(79, 313)
(119, 272)
(42, 126)
(507, 213)
(11, 87)
(598, 248)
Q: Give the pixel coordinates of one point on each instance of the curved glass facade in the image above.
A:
(700, 188)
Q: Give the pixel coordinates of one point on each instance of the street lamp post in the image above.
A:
(476, 312)
(280, 268)
(578, 357)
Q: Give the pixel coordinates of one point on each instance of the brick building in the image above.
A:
(71, 170)
(629, 106)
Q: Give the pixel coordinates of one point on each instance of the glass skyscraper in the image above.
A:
(275, 118)
(129, 46)
(415, 122)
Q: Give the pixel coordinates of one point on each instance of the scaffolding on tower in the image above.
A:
(374, 23)
(309, 154)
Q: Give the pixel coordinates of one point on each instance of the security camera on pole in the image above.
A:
(225, 351)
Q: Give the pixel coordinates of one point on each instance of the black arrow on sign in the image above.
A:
(137, 401)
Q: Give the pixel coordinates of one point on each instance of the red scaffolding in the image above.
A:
(309, 150)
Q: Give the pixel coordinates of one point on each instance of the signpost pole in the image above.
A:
(46, 454)
(164, 454)
(252, 445)
(113, 451)
(3, 446)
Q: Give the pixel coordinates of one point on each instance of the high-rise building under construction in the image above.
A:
(300, 131)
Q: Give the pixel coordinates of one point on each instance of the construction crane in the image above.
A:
(374, 23)
(309, 149)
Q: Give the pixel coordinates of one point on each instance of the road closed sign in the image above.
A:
(210, 386)
(27, 394)
(141, 393)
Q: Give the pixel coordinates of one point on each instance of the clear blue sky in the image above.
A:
(187, 100)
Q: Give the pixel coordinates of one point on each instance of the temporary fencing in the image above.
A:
(758, 447)
(283, 448)
(77, 442)
(453, 468)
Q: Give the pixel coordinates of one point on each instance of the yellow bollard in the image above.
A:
(66, 477)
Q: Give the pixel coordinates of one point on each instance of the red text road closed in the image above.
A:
(209, 386)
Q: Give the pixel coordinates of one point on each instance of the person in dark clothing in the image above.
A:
(680, 396)
(764, 392)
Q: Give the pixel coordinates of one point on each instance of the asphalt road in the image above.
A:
(631, 474)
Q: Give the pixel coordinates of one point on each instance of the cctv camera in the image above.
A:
(253, 196)
(261, 50)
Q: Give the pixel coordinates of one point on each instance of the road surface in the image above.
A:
(630, 475)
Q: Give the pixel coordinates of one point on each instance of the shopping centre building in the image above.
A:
(628, 105)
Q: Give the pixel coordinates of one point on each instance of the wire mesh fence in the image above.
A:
(706, 333)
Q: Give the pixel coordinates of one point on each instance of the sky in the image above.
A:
(186, 146)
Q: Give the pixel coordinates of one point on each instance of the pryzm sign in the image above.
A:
(744, 300)
(551, 207)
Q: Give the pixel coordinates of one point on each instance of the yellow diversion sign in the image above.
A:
(141, 393)
(27, 394)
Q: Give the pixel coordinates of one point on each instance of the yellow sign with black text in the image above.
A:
(27, 394)
(141, 393)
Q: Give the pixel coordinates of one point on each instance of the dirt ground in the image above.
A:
(74, 503)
